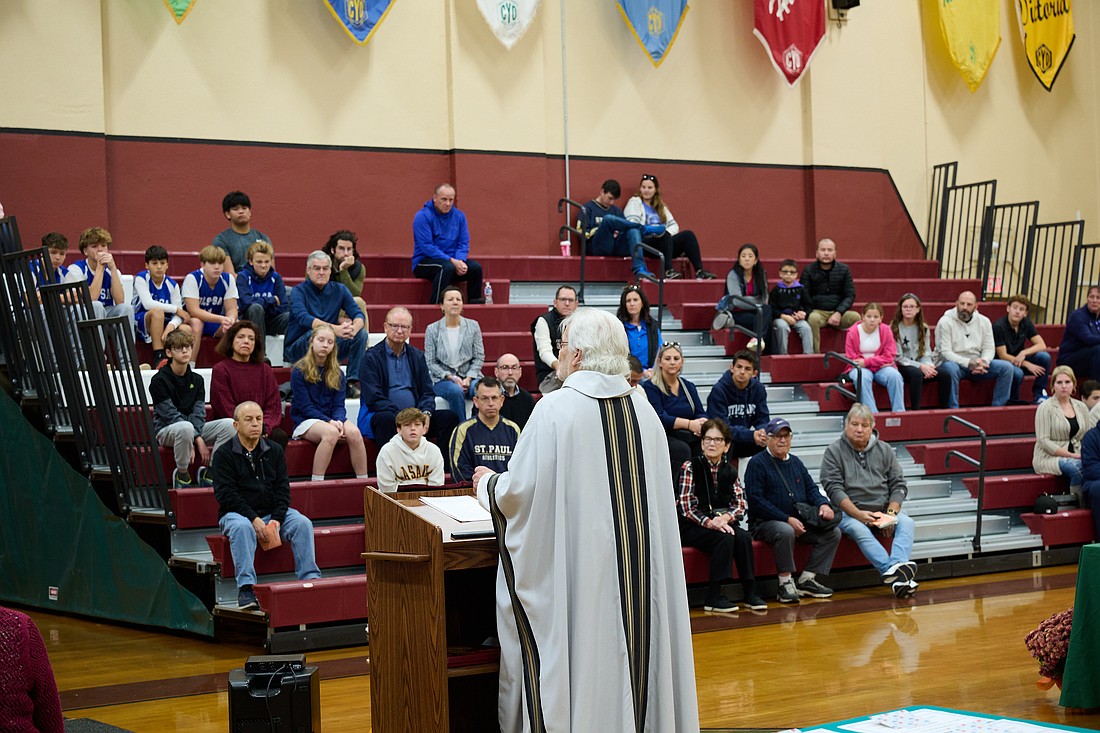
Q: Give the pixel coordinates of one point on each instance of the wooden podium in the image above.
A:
(431, 604)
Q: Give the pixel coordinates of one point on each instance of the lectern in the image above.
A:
(431, 601)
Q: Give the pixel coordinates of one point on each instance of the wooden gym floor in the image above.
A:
(959, 643)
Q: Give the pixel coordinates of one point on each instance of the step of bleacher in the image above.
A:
(1015, 491)
(1016, 538)
(971, 394)
(954, 526)
(1002, 454)
(1066, 527)
(335, 546)
(325, 600)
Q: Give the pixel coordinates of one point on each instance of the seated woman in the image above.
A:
(746, 279)
(318, 410)
(914, 343)
(642, 330)
(1060, 424)
(870, 344)
(712, 504)
(244, 376)
(677, 404)
(28, 690)
(455, 353)
(661, 230)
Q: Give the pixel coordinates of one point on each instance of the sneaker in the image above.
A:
(671, 274)
(753, 344)
(161, 363)
(180, 480)
(246, 599)
(904, 588)
(813, 589)
(645, 275)
(203, 478)
(902, 571)
(788, 593)
(353, 391)
(722, 321)
(705, 275)
(720, 604)
(755, 602)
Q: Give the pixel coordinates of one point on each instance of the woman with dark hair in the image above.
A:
(342, 248)
(643, 333)
(746, 279)
(660, 229)
(455, 352)
(914, 343)
(244, 376)
(677, 404)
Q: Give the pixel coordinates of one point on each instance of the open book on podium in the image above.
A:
(431, 601)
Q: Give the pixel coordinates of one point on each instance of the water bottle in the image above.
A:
(488, 293)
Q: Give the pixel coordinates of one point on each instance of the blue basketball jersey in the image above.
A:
(211, 297)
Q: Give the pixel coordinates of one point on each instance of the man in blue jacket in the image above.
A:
(441, 246)
(742, 402)
(1080, 346)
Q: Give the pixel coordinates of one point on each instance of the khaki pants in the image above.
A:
(819, 318)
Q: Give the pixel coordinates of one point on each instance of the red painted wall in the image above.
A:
(169, 192)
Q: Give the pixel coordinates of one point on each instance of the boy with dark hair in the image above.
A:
(790, 302)
(58, 246)
(235, 241)
(99, 271)
(262, 292)
(158, 306)
(1011, 333)
(210, 296)
(1090, 395)
(603, 222)
(409, 459)
(740, 400)
(179, 411)
(486, 439)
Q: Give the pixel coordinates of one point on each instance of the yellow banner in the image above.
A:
(1047, 30)
(972, 32)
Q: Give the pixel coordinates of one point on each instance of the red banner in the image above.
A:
(791, 31)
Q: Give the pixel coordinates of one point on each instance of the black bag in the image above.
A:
(807, 514)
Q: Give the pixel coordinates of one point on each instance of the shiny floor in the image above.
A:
(958, 644)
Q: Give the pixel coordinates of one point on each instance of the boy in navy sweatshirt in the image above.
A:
(262, 293)
(742, 402)
(790, 303)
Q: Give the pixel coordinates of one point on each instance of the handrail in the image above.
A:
(751, 304)
(979, 464)
(853, 396)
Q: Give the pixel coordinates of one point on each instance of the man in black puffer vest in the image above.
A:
(546, 331)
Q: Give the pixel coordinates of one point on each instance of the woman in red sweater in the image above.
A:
(244, 376)
(28, 693)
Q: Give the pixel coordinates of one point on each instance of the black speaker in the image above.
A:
(845, 4)
(284, 701)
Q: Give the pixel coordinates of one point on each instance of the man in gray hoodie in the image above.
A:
(965, 348)
(862, 476)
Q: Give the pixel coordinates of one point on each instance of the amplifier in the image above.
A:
(267, 664)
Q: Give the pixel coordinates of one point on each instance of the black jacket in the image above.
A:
(252, 486)
(829, 290)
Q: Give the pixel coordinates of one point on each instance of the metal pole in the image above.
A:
(565, 111)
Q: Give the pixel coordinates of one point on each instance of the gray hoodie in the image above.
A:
(961, 342)
(871, 478)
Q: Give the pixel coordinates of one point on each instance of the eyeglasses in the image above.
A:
(647, 177)
(780, 436)
(398, 326)
(788, 272)
(709, 439)
(509, 368)
(566, 300)
(670, 345)
(632, 288)
(562, 345)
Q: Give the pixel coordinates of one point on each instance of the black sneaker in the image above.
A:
(720, 604)
(705, 275)
(352, 392)
(672, 275)
(246, 599)
(903, 571)
(813, 589)
(904, 588)
(788, 593)
(755, 602)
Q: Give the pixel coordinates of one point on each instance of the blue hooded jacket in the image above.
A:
(439, 236)
(744, 410)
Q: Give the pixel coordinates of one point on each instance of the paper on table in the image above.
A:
(461, 508)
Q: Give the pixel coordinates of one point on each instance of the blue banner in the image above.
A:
(654, 23)
(360, 18)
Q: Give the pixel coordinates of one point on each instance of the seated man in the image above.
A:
(58, 246)
(603, 222)
(636, 371)
(99, 271)
(210, 297)
(394, 376)
(518, 402)
(407, 459)
(831, 292)
(235, 241)
(1080, 348)
(862, 476)
(253, 493)
(1090, 395)
(441, 246)
(965, 349)
(319, 300)
(486, 439)
(546, 331)
(775, 480)
(1011, 332)
(741, 402)
(262, 292)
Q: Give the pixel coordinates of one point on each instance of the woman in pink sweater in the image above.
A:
(244, 376)
(870, 344)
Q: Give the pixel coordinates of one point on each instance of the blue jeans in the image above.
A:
(999, 370)
(1042, 358)
(1071, 469)
(296, 529)
(888, 377)
(351, 349)
(604, 243)
(870, 546)
(456, 398)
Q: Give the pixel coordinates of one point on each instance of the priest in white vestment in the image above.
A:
(592, 610)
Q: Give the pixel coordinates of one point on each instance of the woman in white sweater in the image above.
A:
(1060, 424)
(914, 340)
(661, 230)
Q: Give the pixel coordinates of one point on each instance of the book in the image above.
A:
(884, 520)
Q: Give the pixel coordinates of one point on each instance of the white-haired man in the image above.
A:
(591, 594)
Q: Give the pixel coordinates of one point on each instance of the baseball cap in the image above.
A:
(775, 425)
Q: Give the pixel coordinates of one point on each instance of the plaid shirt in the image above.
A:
(688, 504)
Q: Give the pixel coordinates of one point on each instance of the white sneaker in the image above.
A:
(753, 344)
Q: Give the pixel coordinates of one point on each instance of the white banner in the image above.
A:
(509, 19)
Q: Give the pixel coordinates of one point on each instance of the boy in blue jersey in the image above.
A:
(58, 246)
(262, 292)
(157, 303)
(210, 297)
(487, 439)
(99, 271)
(235, 241)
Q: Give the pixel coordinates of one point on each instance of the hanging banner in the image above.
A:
(179, 8)
(1047, 30)
(654, 24)
(360, 18)
(509, 19)
(791, 31)
(972, 32)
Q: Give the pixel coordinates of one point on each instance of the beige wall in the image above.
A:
(880, 92)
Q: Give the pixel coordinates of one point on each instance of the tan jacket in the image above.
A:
(1052, 432)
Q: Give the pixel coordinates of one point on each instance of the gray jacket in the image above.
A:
(471, 350)
(871, 478)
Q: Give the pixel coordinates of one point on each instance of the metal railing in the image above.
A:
(853, 396)
(1085, 274)
(9, 235)
(1007, 241)
(962, 213)
(944, 176)
(1049, 271)
(979, 464)
(758, 322)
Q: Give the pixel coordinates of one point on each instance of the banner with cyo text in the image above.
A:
(791, 31)
(972, 32)
(654, 24)
(508, 19)
(179, 9)
(1047, 30)
(360, 18)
